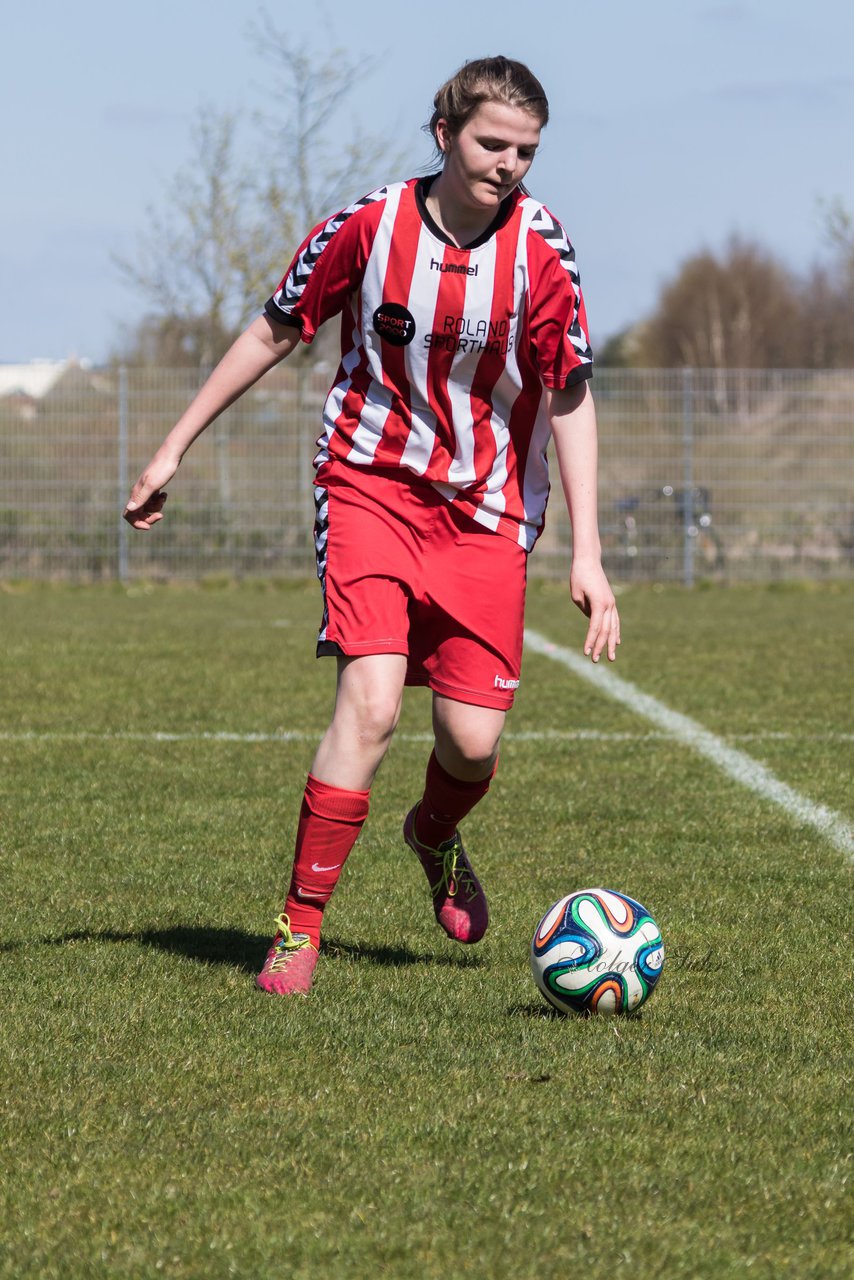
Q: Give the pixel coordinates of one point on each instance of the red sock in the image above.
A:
(329, 824)
(446, 802)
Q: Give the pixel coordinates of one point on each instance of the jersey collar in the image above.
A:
(505, 209)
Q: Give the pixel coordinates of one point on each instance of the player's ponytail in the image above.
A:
(487, 80)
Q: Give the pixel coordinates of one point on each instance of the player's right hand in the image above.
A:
(145, 504)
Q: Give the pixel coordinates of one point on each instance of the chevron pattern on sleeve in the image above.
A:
(548, 227)
(290, 292)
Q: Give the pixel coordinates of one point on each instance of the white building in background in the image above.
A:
(33, 380)
(25, 384)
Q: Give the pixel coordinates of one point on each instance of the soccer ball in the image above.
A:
(597, 951)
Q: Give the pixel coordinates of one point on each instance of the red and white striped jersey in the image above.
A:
(445, 351)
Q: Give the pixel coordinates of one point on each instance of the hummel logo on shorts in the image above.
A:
(501, 683)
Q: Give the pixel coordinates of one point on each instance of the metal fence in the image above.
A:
(736, 475)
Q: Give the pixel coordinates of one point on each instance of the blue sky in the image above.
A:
(673, 126)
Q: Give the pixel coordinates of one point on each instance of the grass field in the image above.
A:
(422, 1114)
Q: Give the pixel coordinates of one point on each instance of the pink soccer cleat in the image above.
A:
(458, 899)
(289, 967)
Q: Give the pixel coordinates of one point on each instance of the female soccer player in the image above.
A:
(463, 352)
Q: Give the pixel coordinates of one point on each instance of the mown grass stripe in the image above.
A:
(314, 735)
(736, 764)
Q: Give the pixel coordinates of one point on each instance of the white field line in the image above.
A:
(736, 764)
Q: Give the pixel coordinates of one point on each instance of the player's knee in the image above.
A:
(476, 753)
(467, 739)
(377, 717)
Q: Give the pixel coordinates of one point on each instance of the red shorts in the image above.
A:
(404, 571)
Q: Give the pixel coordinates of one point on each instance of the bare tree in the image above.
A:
(839, 232)
(228, 225)
(204, 262)
(740, 310)
(745, 309)
(830, 292)
(171, 341)
(314, 175)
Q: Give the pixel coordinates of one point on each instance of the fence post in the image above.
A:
(688, 530)
(123, 472)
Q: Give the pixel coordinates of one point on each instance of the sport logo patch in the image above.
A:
(394, 323)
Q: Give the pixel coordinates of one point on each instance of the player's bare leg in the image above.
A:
(467, 737)
(458, 775)
(367, 708)
(334, 809)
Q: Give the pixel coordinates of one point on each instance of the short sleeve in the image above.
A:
(557, 320)
(327, 268)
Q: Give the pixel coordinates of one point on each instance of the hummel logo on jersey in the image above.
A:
(453, 268)
(501, 683)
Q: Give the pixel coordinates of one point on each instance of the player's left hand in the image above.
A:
(591, 592)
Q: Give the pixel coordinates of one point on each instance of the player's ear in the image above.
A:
(444, 136)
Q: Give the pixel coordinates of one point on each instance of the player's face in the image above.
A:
(490, 155)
